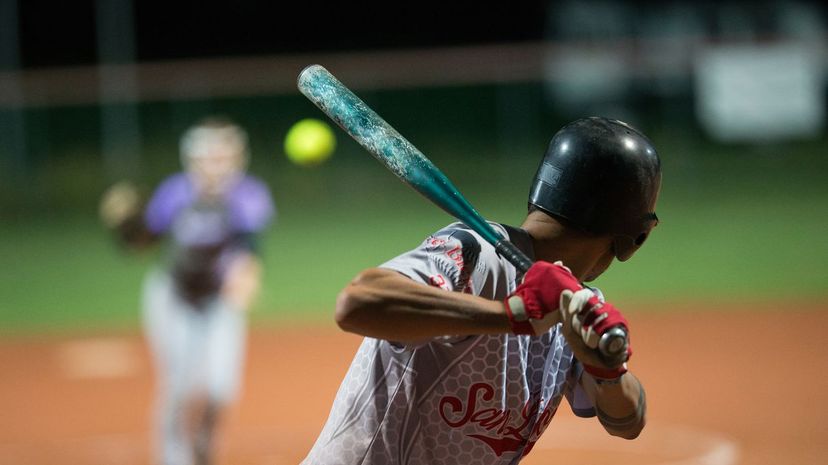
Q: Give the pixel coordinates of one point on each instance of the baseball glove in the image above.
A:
(122, 211)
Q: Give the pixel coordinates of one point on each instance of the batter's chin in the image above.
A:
(591, 277)
(601, 266)
(595, 274)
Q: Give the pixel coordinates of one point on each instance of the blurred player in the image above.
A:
(194, 303)
(475, 375)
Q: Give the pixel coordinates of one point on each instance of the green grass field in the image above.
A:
(729, 236)
(738, 222)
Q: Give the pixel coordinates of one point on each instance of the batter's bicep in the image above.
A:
(384, 304)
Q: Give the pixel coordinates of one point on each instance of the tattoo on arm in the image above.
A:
(628, 421)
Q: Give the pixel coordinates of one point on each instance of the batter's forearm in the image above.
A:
(387, 305)
(620, 407)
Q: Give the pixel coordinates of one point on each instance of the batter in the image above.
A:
(466, 361)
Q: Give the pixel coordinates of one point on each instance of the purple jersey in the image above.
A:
(483, 399)
(205, 236)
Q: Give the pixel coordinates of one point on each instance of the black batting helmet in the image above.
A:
(603, 176)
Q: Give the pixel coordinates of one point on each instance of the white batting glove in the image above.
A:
(575, 307)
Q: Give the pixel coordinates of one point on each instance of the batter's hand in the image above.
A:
(532, 308)
(585, 318)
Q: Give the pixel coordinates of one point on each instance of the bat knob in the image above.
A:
(613, 345)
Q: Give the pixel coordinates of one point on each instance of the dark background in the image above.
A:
(64, 33)
(171, 30)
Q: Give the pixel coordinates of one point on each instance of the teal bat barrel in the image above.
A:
(398, 154)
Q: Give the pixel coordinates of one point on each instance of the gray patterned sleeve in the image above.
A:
(445, 259)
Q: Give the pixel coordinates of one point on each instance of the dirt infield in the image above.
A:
(715, 399)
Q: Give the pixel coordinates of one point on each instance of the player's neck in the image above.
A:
(552, 241)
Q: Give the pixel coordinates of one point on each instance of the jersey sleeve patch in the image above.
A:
(455, 257)
(446, 260)
(470, 254)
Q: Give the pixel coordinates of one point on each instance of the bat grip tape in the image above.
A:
(514, 255)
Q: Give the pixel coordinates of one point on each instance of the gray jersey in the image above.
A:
(454, 399)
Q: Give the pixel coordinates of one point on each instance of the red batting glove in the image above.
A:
(533, 307)
(590, 318)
